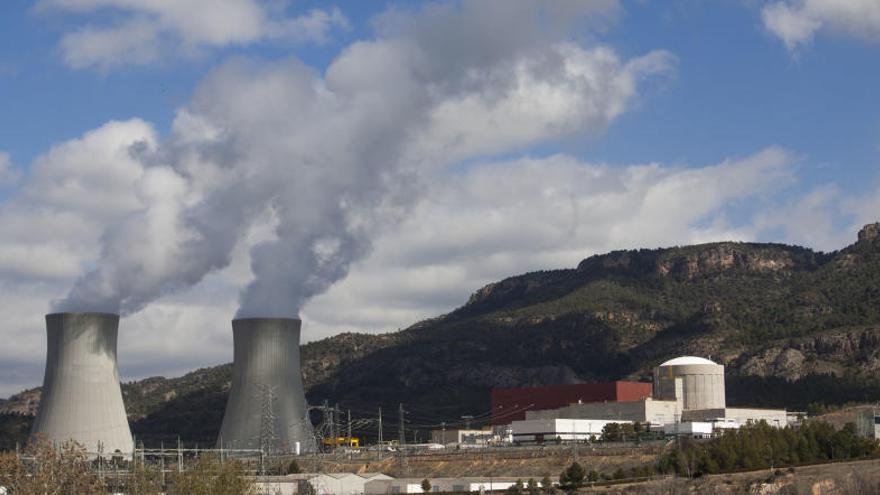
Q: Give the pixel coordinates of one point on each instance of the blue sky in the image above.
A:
(365, 165)
(737, 88)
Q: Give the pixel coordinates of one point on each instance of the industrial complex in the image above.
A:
(687, 398)
(267, 414)
(267, 411)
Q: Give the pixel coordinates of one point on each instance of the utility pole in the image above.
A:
(402, 432)
(337, 415)
(402, 435)
(325, 422)
(333, 427)
(380, 425)
(162, 454)
(349, 429)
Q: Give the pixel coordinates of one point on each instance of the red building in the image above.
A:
(511, 404)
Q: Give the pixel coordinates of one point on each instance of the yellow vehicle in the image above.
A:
(341, 442)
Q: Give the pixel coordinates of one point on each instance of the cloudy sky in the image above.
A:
(370, 164)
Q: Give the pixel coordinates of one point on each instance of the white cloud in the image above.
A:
(540, 99)
(502, 219)
(863, 208)
(9, 174)
(146, 31)
(54, 224)
(808, 219)
(796, 22)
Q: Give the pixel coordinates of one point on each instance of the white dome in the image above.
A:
(683, 360)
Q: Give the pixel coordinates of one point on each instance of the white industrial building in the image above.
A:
(692, 429)
(687, 389)
(565, 430)
(318, 483)
(443, 485)
(738, 416)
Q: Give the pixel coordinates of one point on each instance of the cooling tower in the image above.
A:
(267, 404)
(81, 397)
(697, 383)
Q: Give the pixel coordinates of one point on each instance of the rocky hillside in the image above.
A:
(792, 325)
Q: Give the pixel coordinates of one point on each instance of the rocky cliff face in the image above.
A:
(832, 353)
(718, 258)
(25, 403)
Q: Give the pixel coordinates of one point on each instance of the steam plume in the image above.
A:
(332, 157)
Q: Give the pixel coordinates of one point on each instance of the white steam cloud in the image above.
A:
(332, 158)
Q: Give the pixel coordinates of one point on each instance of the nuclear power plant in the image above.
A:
(267, 406)
(82, 399)
(688, 398)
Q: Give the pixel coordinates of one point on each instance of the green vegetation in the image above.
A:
(760, 446)
(14, 430)
(573, 476)
(622, 432)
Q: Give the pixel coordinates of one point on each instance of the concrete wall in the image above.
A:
(266, 377)
(81, 399)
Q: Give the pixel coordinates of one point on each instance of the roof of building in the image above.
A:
(683, 360)
(376, 475)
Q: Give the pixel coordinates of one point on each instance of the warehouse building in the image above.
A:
(316, 483)
(643, 411)
(511, 404)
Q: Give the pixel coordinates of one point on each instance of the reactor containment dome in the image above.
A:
(81, 398)
(267, 406)
(695, 382)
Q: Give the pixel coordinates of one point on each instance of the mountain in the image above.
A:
(793, 326)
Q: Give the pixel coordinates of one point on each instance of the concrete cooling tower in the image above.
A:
(697, 383)
(267, 403)
(81, 397)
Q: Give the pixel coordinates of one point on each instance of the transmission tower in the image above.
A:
(268, 437)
